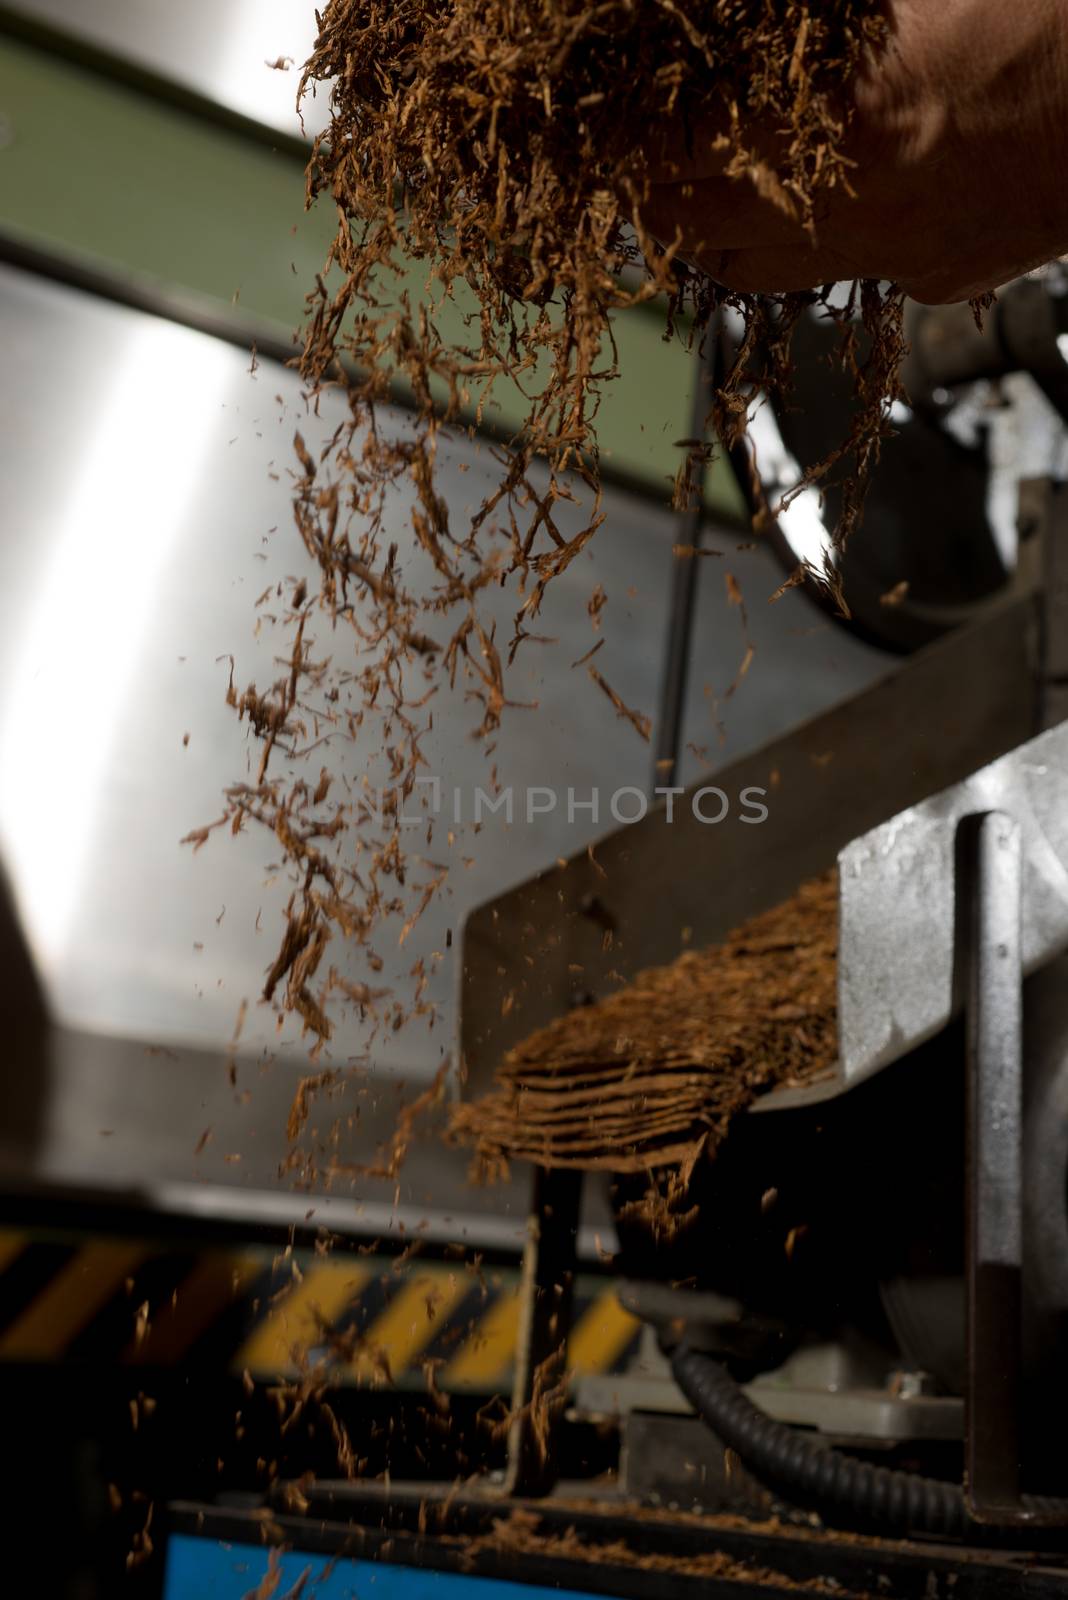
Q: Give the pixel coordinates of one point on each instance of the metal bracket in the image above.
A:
(539, 1395)
(991, 939)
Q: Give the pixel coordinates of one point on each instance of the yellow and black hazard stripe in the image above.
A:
(139, 1302)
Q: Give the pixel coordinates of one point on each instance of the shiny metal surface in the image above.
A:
(145, 505)
(93, 1121)
(897, 914)
(222, 50)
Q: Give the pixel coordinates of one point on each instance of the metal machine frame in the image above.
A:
(1010, 657)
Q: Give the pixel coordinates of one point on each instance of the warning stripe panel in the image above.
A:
(485, 1359)
(294, 1322)
(391, 1345)
(601, 1335)
(28, 1271)
(137, 1301)
(209, 1289)
(63, 1309)
(11, 1245)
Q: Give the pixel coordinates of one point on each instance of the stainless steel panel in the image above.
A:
(222, 50)
(897, 976)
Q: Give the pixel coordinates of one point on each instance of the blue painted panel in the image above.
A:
(209, 1569)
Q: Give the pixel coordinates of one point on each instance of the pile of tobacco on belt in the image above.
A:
(488, 154)
(653, 1075)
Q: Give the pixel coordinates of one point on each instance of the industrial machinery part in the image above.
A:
(985, 411)
(1025, 330)
(784, 1459)
(845, 1389)
(570, 1548)
(1005, 916)
(997, 916)
(898, 907)
(684, 575)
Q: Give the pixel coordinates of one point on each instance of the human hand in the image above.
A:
(956, 137)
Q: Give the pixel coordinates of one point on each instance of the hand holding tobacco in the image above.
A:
(954, 182)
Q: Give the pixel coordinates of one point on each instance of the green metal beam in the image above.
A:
(118, 181)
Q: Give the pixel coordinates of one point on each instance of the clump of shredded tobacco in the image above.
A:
(655, 1074)
(486, 157)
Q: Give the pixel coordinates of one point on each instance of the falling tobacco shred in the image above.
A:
(494, 147)
(652, 1076)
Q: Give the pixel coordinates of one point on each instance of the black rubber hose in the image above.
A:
(785, 1460)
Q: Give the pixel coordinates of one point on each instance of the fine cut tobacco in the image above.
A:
(486, 156)
(654, 1075)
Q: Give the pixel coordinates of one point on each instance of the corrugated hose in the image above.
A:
(785, 1460)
